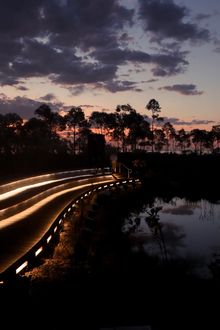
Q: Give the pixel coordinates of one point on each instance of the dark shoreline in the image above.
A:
(110, 287)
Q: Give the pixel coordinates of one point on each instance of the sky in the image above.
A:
(100, 53)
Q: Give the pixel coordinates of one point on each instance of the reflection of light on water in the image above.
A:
(207, 211)
(187, 239)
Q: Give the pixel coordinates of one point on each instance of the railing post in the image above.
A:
(129, 172)
(119, 168)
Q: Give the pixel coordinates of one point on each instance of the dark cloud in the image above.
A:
(86, 106)
(164, 64)
(115, 86)
(185, 89)
(22, 88)
(217, 46)
(77, 90)
(75, 43)
(49, 97)
(179, 122)
(170, 64)
(202, 16)
(119, 56)
(42, 39)
(164, 19)
(151, 80)
(125, 39)
(23, 106)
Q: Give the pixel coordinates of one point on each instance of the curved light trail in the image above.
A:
(16, 191)
(27, 212)
(23, 229)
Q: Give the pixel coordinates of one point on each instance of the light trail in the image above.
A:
(27, 212)
(21, 206)
(16, 191)
(41, 178)
(38, 251)
(20, 268)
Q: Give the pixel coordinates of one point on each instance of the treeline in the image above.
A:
(168, 175)
(50, 140)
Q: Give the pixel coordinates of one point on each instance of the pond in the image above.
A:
(148, 261)
(178, 231)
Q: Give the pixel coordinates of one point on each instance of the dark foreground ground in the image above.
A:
(103, 284)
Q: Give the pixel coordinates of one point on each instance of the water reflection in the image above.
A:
(155, 227)
(207, 211)
(178, 230)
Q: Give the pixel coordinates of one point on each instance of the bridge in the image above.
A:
(33, 210)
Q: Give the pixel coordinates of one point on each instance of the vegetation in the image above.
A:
(51, 141)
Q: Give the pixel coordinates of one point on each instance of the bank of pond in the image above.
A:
(137, 257)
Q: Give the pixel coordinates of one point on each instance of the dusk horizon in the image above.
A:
(71, 53)
(109, 164)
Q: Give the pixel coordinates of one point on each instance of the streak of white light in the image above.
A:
(19, 269)
(49, 238)
(38, 251)
(44, 176)
(21, 215)
(35, 185)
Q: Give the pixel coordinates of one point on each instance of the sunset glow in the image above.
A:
(136, 50)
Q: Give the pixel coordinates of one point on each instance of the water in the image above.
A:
(181, 231)
(136, 272)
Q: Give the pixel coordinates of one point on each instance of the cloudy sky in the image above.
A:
(100, 53)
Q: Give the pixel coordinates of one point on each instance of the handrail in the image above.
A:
(127, 168)
(13, 209)
(28, 259)
(40, 178)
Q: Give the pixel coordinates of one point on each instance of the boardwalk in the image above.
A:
(22, 230)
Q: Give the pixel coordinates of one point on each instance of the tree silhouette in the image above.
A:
(10, 127)
(123, 115)
(45, 113)
(170, 133)
(199, 138)
(155, 108)
(99, 120)
(182, 139)
(74, 118)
